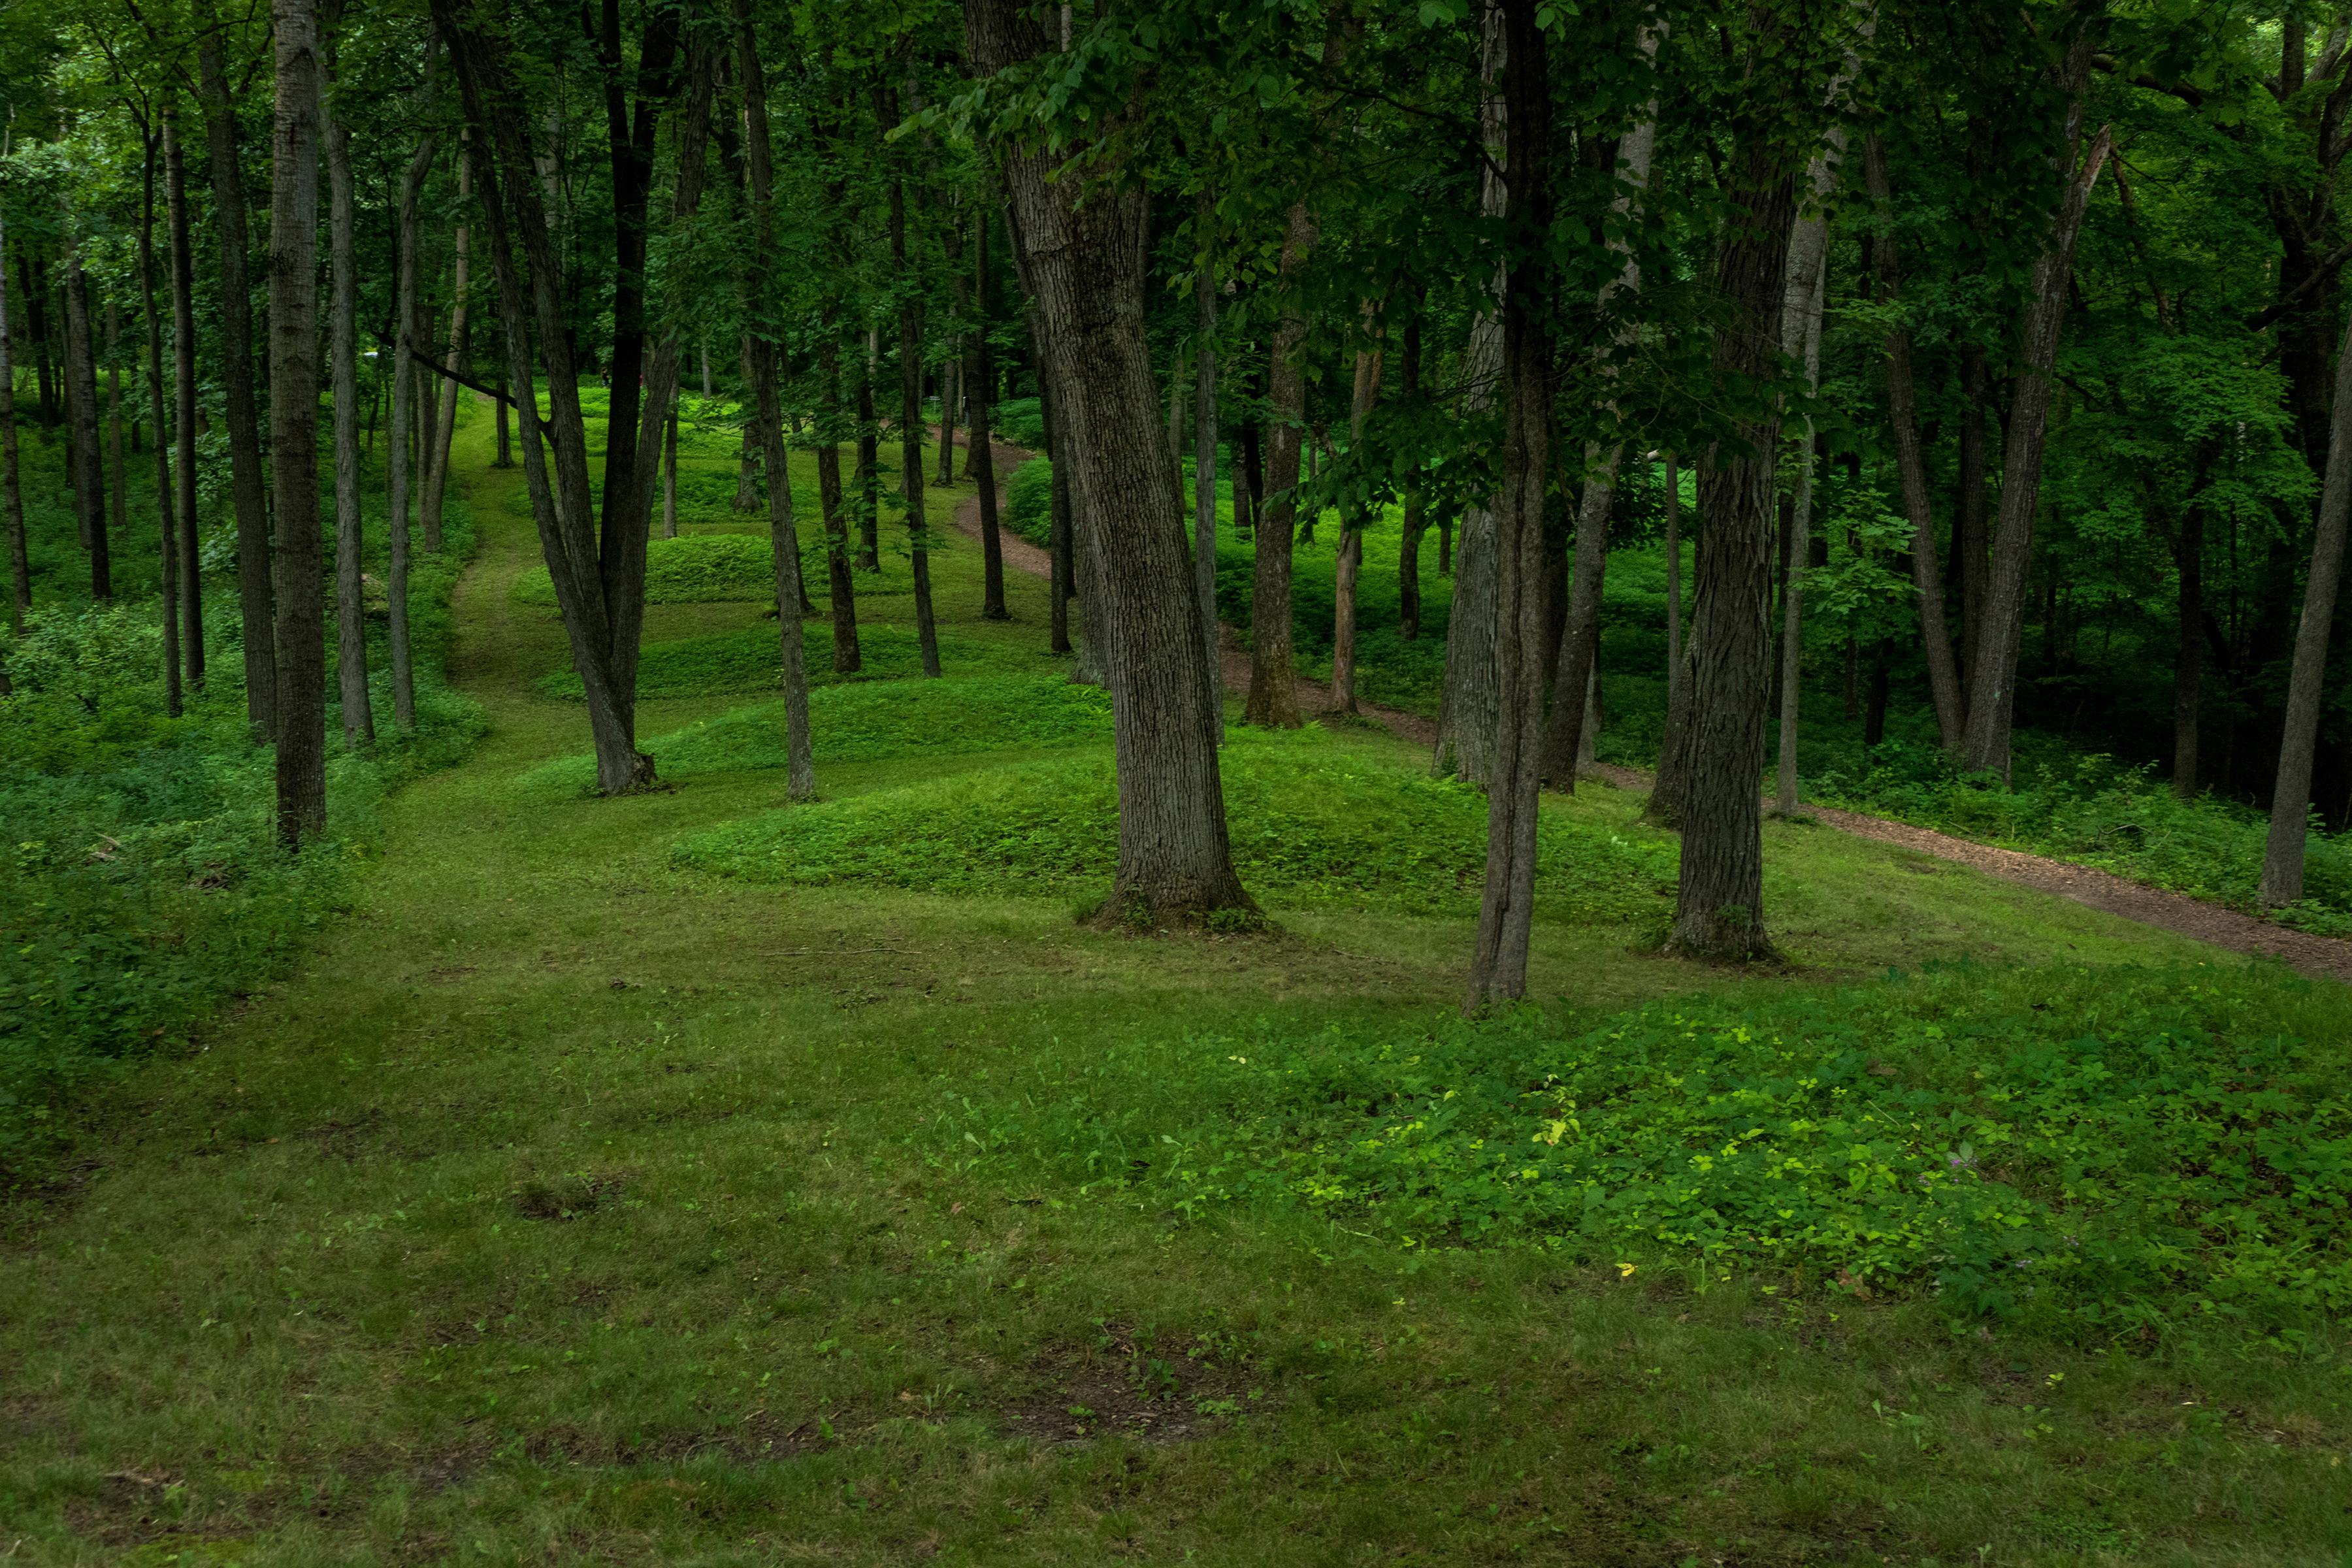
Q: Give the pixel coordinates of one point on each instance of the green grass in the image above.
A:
(689, 569)
(567, 1205)
(740, 663)
(1313, 821)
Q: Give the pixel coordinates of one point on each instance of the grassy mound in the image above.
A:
(1313, 822)
(2088, 1153)
(747, 663)
(873, 718)
(689, 569)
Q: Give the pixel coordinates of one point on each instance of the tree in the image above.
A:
(296, 583)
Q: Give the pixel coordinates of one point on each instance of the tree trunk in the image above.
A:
(1204, 453)
(350, 609)
(911, 417)
(759, 359)
(117, 475)
(1674, 577)
(747, 471)
(948, 373)
(89, 462)
(1718, 912)
(443, 428)
(869, 459)
(1414, 521)
(167, 529)
(399, 444)
(1065, 582)
(1873, 724)
(1992, 682)
(1498, 963)
(504, 403)
(1084, 257)
(2188, 665)
(669, 472)
(847, 659)
(1274, 681)
(237, 389)
(1366, 392)
(12, 494)
(297, 584)
(184, 398)
(1971, 566)
(629, 139)
(1800, 339)
(2283, 853)
(1935, 632)
(979, 457)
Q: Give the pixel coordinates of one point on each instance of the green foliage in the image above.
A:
(688, 570)
(1019, 422)
(869, 720)
(751, 661)
(2088, 1152)
(1029, 497)
(1313, 822)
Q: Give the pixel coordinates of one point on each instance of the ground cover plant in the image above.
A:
(690, 569)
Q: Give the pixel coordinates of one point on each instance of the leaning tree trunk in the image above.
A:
(2282, 879)
(1910, 462)
(1992, 683)
(1498, 963)
(1085, 256)
(296, 580)
(184, 405)
(166, 526)
(1274, 681)
(243, 416)
(351, 608)
(398, 442)
(759, 359)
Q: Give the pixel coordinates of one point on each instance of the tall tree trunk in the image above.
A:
(1718, 912)
(504, 404)
(296, 582)
(118, 493)
(629, 137)
(1468, 707)
(1083, 258)
(949, 372)
(759, 360)
(1674, 577)
(2283, 853)
(236, 388)
(1800, 339)
(166, 530)
(1205, 450)
(1415, 519)
(184, 398)
(669, 472)
(747, 470)
(980, 459)
(1578, 661)
(1910, 462)
(846, 657)
(869, 459)
(1498, 963)
(1365, 391)
(12, 494)
(2188, 665)
(1971, 565)
(351, 606)
(443, 430)
(81, 367)
(1993, 681)
(1273, 682)
(399, 445)
(910, 414)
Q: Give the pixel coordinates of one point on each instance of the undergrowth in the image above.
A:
(690, 569)
(749, 662)
(1312, 822)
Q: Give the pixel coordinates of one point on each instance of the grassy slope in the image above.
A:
(569, 1206)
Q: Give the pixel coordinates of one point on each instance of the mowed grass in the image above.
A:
(572, 1205)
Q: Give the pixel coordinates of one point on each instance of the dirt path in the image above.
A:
(2329, 958)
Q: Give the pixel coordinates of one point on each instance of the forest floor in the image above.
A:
(569, 1206)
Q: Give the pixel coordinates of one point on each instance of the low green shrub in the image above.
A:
(873, 718)
(689, 569)
(1313, 822)
(750, 662)
(2093, 1152)
(1018, 422)
(1029, 502)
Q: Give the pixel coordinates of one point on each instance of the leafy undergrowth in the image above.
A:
(692, 569)
(1312, 822)
(747, 663)
(2090, 1154)
(2095, 811)
(869, 720)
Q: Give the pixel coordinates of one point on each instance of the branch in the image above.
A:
(442, 371)
(2319, 274)
(2179, 89)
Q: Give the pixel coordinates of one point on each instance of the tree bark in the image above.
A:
(1064, 585)
(1415, 522)
(184, 391)
(1274, 681)
(1204, 453)
(1910, 462)
(1674, 577)
(1084, 260)
(1365, 393)
(399, 444)
(350, 609)
(12, 495)
(1498, 963)
(1800, 339)
(117, 477)
(89, 462)
(846, 657)
(629, 137)
(869, 459)
(980, 457)
(443, 430)
(1992, 683)
(669, 472)
(911, 418)
(166, 525)
(296, 582)
(237, 389)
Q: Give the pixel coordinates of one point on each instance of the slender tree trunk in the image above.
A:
(1674, 577)
(1498, 964)
(1083, 258)
(443, 428)
(911, 418)
(81, 366)
(1205, 450)
(2188, 665)
(1064, 585)
(296, 581)
(2283, 854)
(184, 389)
(1910, 462)
(1366, 390)
(1873, 724)
(747, 471)
(1274, 681)
(12, 495)
(1414, 521)
(399, 445)
(165, 529)
(669, 472)
(1992, 680)
(950, 371)
(116, 472)
(351, 606)
(1971, 561)
(244, 418)
(869, 459)
(629, 137)
(1800, 339)
(846, 657)
(980, 459)
(1249, 490)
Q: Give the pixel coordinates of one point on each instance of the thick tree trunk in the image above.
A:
(166, 526)
(297, 584)
(12, 494)
(1274, 681)
(350, 609)
(184, 398)
(237, 389)
(1993, 681)
(1084, 260)
(980, 459)
(89, 462)
(2283, 854)
(1498, 963)
(443, 430)
(1910, 462)
(910, 422)
(1204, 454)
(400, 444)
(2188, 664)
